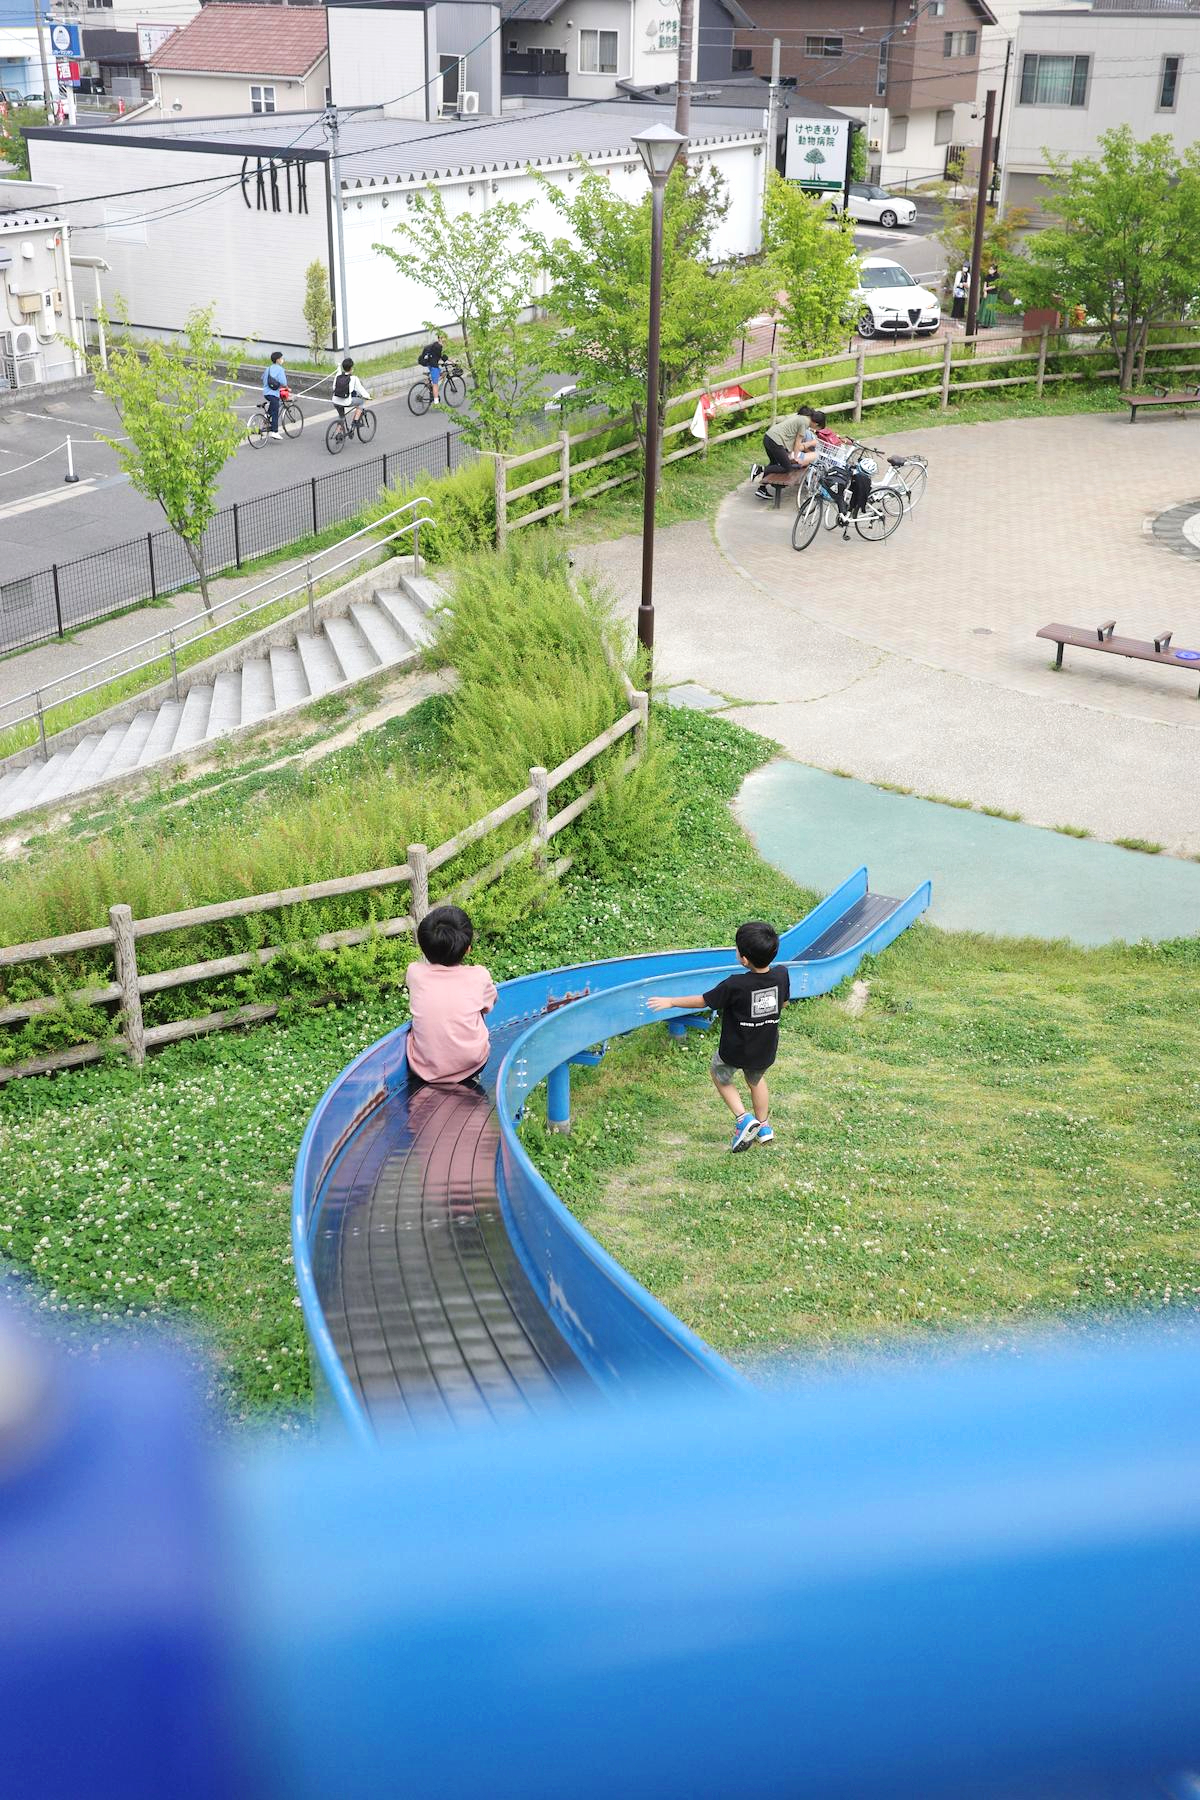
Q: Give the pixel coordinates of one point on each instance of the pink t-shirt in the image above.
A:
(448, 1038)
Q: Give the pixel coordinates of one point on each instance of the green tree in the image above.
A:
(815, 157)
(1001, 234)
(1127, 242)
(600, 288)
(14, 145)
(180, 427)
(482, 274)
(858, 154)
(318, 308)
(814, 263)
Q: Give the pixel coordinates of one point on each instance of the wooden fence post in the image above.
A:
(501, 473)
(1041, 368)
(947, 355)
(641, 705)
(564, 471)
(541, 815)
(126, 972)
(417, 858)
(860, 370)
(774, 390)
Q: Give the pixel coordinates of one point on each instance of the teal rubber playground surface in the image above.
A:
(988, 875)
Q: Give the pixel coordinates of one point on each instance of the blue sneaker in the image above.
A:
(766, 1135)
(744, 1132)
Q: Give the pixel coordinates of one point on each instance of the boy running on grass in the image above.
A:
(750, 1005)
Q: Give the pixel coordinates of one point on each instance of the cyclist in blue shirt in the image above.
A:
(273, 382)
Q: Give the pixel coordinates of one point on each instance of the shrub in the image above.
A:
(463, 506)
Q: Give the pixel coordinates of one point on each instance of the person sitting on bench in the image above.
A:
(790, 444)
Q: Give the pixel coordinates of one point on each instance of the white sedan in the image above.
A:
(889, 299)
(875, 206)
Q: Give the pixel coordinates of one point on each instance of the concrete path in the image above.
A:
(915, 662)
(988, 875)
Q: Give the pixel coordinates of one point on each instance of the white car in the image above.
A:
(874, 206)
(890, 300)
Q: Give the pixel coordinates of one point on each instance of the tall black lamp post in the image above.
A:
(658, 147)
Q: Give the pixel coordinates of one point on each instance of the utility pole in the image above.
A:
(1000, 124)
(772, 114)
(985, 166)
(335, 200)
(41, 43)
(683, 75)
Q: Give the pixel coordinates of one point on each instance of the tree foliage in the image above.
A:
(482, 273)
(814, 263)
(858, 154)
(600, 288)
(14, 145)
(1001, 234)
(180, 427)
(318, 307)
(1126, 245)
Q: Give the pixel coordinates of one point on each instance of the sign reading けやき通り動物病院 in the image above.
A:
(816, 152)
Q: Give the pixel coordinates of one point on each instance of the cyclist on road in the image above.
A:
(433, 359)
(347, 387)
(273, 383)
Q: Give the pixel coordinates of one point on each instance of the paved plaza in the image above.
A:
(915, 661)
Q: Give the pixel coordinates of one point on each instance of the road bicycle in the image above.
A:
(291, 420)
(881, 512)
(339, 431)
(452, 389)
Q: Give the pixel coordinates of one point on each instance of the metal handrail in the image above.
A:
(170, 642)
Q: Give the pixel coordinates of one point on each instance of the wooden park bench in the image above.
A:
(780, 479)
(1100, 637)
(1160, 397)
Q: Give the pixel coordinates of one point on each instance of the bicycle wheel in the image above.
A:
(335, 437)
(880, 516)
(367, 426)
(807, 522)
(914, 478)
(454, 390)
(420, 397)
(291, 419)
(256, 427)
(829, 514)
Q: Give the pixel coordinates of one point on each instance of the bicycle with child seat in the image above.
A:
(291, 419)
(339, 431)
(881, 512)
(452, 389)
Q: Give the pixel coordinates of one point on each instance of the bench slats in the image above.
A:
(1136, 649)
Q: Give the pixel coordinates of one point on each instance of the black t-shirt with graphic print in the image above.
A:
(750, 1005)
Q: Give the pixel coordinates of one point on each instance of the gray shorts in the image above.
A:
(722, 1072)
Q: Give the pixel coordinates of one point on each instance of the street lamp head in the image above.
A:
(658, 147)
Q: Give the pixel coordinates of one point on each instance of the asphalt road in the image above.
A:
(44, 520)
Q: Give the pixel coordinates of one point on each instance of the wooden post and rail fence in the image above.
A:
(861, 379)
(121, 935)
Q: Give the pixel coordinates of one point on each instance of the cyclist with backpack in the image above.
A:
(274, 387)
(432, 359)
(346, 388)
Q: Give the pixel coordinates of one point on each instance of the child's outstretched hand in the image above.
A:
(659, 1003)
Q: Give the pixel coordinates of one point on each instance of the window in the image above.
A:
(898, 132)
(943, 126)
(1054, 80)
(1168, 87)
(822, 46)
(512, 44)
(959, 43)
(882, 73)
(742, 60)
(597, 52)
(668, 34)
(936, 9)
(262, 99)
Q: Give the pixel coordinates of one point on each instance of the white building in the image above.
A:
(37, 302)
(1076, 74)
(587, 48)
(243, 59)
(232, 211)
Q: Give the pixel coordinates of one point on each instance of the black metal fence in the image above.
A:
(48, 604)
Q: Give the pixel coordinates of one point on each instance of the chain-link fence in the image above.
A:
(48, 604)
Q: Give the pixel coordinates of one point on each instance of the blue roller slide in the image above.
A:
(442, 1279)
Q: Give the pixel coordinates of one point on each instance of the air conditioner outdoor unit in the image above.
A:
(21, 341)
(468, 103)
(23, 371)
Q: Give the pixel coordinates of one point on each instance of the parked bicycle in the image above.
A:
(291, 419)
(907, 475)
(338, 432)
(881, 512)
(452, 388)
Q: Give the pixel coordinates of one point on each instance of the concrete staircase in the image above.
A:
(375, 634)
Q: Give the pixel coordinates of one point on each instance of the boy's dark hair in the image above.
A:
(446, 934)
(347, 363)
(758, 942)
(277, 356)
(816, 415)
